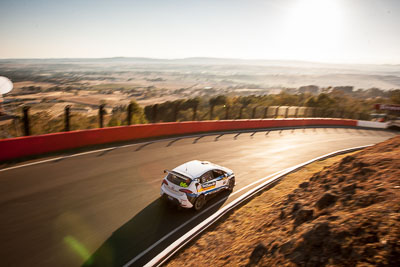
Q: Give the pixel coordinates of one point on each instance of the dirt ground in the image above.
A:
(344, 211)
(55, 102)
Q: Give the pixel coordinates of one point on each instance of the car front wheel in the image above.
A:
(200, 201)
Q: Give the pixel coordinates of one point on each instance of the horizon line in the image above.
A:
(199, 57)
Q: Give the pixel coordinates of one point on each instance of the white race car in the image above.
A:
(189, 184)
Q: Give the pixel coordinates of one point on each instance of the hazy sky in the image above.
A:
(343, 31)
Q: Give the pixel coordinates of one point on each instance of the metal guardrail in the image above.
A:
(197, 230)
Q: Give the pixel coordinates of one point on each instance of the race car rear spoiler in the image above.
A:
(177, 174)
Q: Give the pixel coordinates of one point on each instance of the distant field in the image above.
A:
(87, 83)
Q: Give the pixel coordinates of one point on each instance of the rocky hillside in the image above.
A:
(346, 214)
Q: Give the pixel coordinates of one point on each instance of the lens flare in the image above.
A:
(76, 246)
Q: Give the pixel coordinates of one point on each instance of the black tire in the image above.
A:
(199, 203)
(231, 184)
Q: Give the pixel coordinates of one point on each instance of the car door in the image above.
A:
(208, 183)
(220, 178)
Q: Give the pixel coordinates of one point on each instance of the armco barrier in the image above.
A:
(372, 124)
(34, 145)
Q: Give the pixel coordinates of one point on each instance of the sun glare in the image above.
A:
(313, 26)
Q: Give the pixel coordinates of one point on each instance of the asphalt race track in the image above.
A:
(106, 204)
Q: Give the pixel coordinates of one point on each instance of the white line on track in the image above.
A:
(195, 217)
(271, 177)
(136, 144)
(101, 150)
(157, 141)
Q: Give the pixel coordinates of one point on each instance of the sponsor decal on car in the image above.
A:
(208, 184)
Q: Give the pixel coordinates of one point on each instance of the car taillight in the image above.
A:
(164, 182)
(187, 191)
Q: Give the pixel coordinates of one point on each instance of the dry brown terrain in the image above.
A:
(85, 83)
(55, 102)
(341, 214)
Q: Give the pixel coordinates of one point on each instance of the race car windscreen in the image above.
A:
(178, 180)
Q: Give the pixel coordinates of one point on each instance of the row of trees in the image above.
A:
(333, 104)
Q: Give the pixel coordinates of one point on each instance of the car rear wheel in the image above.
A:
(200, 201)
(231, 184)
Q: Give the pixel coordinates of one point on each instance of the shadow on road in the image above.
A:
(143, 146)
(173, 141)
(147, 227)
(106, 152)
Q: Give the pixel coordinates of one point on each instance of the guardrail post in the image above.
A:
(276, 112)
(297, 112)
(66, 118)
(26, 121)
(155, 110)
(129, 114)
(176, 111)
(287, 112)
(101, 115)
(211, 112)
(227, 107)
(194, 113)
(265, 112)
(253, 114)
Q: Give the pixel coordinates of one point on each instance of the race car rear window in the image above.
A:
(178, 180)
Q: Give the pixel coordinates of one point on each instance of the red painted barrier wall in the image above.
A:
(34, 145)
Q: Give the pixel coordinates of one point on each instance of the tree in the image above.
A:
(395, 96)
(324, 101)
(311, 102)
(177, 105)
(192, 103)
(138, 116)
(228, 105)
(214, 101)
(244, 102)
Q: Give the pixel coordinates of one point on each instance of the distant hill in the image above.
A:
(263, 73)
